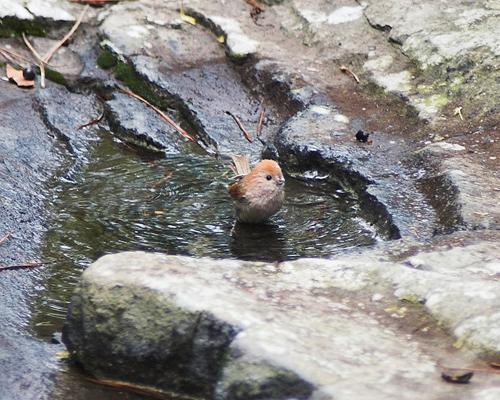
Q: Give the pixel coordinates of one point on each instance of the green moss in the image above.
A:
(223, 363)
(107, 60)
(459, 343)
(436, 100)
(10, 26)
(411, 298)
(125, 73)
(128, 77)
(55, 76)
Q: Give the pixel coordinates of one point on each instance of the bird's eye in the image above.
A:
(269, 177)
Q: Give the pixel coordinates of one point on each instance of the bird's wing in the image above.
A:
(235, 191)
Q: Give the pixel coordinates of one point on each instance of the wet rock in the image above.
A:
(244, 378)
(63, 112)
(29, 157)
(462, 295)
(27, 160)
(136, 37)
(319, 143)
(301, 329)
(206, 93)
(135, 122)
(239, 45)
(193, 341)
(476, 194)
(467, 197)
(170, 347)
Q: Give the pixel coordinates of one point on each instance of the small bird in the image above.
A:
(259, 193)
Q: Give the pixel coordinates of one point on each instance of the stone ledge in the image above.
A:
(310, 328)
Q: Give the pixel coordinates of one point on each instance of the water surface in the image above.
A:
(178, 204)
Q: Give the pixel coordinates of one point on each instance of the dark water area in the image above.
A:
(177, 204)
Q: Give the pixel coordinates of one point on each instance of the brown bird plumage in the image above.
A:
(260, 192)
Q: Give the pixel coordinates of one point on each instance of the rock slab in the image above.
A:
(308, 329)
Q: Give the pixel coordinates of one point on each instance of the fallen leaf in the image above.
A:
(187, 18)
(63, 354)
(458, 111)
(17, 76)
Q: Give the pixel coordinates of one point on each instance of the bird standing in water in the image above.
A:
(259, 193)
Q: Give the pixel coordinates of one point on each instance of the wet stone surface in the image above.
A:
(135, 122)
(410, 220)
(207, 94)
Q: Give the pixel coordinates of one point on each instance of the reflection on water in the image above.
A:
(179, 204)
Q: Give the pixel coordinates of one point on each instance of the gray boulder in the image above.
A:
(320, 329)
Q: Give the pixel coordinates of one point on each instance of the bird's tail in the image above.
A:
(240, 166)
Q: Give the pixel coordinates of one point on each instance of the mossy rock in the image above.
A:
(10, 26)
(127, 75)
(107, 60)
(55, 76)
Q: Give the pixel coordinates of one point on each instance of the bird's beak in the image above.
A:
(281, 181)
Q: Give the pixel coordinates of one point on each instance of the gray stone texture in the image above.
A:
(303, 329)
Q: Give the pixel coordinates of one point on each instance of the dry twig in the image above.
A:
(6, 237)
(161, 180)
(91, 122)
(259, 129)
(131, 388)
(30, 265)
(255, 4)
(68, 35)
(162, 114)
(17, 55)
(40, 61)
(345, 69)
(240, 125)
(9, 58)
